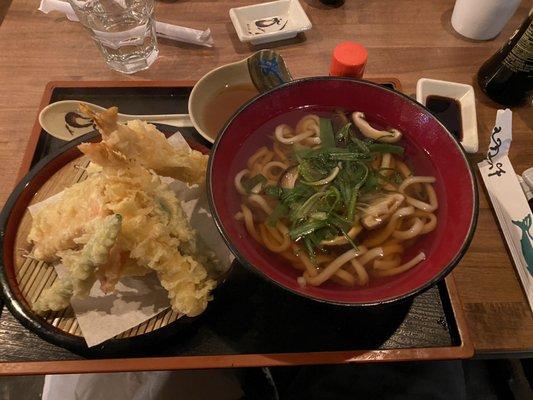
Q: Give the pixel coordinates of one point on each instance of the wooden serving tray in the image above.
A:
(243, 326)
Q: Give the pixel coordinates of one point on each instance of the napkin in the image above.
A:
(508, 199)
(164, 30)
(137, 299)
(153, 385)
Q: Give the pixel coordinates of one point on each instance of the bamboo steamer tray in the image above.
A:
(29, 277)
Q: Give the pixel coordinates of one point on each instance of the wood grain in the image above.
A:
(4, 6)
(408, 39)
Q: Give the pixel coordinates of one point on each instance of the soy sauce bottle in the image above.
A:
(507, 77)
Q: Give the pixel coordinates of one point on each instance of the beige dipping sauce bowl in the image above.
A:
(263, 70)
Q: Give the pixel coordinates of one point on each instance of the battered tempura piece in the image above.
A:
(155, 231)
(55, 228)
(81, 264)
(122, 221)
(143, 143)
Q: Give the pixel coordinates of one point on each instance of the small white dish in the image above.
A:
(464, 94)
(269, 22)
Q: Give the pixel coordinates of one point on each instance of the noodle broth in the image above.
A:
(415, 158)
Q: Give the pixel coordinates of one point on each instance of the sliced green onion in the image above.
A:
(344, 156)
(327, 138)
(251, 183)
(340, 222)
(348, 238)
(280, 211)
(297, 194)
(344, 133)
(306, 228)
(334, 193)
(313, 169)
(361, 144)
(307, 207)
(324, 181)
(385, 148)
(274, 191)
(319, 215)
(371, 182)
(351, 205)
(310, 250)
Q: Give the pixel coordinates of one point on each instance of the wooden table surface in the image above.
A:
(407, 39)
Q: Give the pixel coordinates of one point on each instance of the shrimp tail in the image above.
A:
(106, 121)
(101, 154)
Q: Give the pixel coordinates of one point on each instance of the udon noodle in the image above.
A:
(337, 200)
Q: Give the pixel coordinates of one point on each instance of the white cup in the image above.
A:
(482, 19)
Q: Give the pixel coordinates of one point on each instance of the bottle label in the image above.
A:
(520, 58)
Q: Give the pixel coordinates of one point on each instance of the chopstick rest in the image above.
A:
(509, 201)
(163, 30)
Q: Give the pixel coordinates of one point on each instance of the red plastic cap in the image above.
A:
(349, 59)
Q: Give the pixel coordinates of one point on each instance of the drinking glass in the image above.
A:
(123, 30)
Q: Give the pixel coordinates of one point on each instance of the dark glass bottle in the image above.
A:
(507, 77)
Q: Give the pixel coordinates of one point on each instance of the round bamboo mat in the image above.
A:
(34, 276)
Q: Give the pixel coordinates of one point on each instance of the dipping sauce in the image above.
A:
(447, 111)
(223, 104)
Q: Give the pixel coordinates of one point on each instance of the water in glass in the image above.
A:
(123, 30)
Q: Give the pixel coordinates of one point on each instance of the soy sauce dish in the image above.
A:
(427, 148)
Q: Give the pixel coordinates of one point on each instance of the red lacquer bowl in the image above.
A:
(430, 148)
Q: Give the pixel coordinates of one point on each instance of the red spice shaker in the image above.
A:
(348, 59)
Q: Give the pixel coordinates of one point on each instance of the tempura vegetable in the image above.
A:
(81, 264)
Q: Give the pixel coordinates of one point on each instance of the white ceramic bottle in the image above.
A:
(482, 19)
